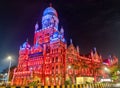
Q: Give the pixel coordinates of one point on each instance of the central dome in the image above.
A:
(50, 11)
(50, 18)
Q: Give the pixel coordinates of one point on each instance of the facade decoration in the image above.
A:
(50, 61)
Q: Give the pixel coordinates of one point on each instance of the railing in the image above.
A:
(97, 85)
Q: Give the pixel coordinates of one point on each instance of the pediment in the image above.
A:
(71, 49)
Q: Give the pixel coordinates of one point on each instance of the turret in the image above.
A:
(95, 51)
(25, 45)
(78, 49)
(36, 26)
(91, 53)
(62, 30)
(71, 41)
(24, 48)
(62, 34)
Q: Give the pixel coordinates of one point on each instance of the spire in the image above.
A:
(27, 40)
(50, 4)
(62, 30)
(20, 47)
(91, 53)
(71, 41)
(95, 49)
(110, 57)
(78, 50)
(36, 26)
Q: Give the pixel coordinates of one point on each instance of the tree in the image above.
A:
(113, 72)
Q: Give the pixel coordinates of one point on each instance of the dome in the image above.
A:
(51, 11)
(56, 34)
(50, 18)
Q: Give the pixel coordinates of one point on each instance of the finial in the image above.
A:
(36, 26)
(95, 49)
(62, 30)
(77, 48)
(110, 56)
(20, 47)
(70, 41)
(27, 40)
(91, 52)
(50, 4)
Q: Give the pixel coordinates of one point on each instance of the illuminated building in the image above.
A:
(50, 61)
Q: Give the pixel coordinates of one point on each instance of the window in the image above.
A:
(48, 49)
(52, 68)
(56, 50)
(56, 66)
(56, 59)
(53, 60)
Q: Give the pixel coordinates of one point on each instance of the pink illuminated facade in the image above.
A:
(50, 61)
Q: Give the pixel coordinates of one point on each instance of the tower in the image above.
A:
(45, 60)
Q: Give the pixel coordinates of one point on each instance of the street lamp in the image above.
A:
(9, 58)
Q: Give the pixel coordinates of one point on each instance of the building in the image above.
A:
(50, 61)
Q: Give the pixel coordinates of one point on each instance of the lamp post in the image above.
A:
(9, 58)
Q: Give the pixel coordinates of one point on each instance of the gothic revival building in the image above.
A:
(50, 61)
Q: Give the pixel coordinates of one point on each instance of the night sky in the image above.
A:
(90, 23)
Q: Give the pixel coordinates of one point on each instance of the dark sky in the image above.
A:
(90, 23)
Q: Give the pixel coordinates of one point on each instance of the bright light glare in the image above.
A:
(106, 69)
(105, 80)
(9, 57)
(117, 85)
(69, 67)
